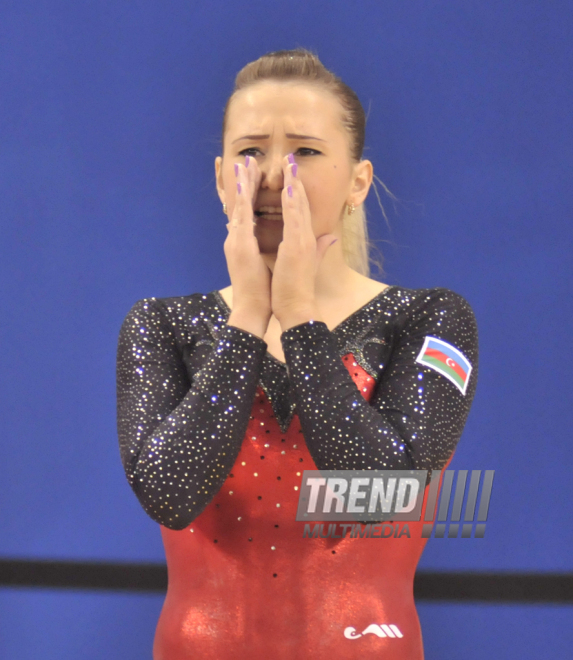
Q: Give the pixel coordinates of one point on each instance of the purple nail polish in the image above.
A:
(236, 170)
(289, 191)
(294, 169)
(291, 158)
(239, 188)
(247, 161)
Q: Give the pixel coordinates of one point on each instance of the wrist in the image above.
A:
(291, 318)
(249, 321)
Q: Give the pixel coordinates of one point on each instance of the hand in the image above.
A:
(299, 254)
(250, 276)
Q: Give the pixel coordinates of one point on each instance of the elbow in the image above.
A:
(405, 456)
(166, 516)
(175, 524)
(159, 508)
(409, 462)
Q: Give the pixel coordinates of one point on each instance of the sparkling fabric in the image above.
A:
(215, 433)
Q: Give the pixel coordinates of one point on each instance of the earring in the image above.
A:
(351, 209)
(224, 208)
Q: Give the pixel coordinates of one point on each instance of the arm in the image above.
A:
(416, 415)
(178, 441)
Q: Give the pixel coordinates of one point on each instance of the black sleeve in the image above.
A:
(179, 440)
(416, 415)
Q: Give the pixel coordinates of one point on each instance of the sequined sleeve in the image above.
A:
(416, 415)
(178, 440)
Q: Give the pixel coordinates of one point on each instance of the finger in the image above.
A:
(288, 202)
(243, 209)
(291, 212)
(296, 210)
(299, 194)
(254, 175)
(248, 189)
(291, 171)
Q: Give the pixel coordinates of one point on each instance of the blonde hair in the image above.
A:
(303, 65)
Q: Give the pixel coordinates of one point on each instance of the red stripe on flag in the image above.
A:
(438, 355)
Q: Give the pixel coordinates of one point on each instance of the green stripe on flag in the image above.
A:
(444, 368)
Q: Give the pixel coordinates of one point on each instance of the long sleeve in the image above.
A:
(416, 415)
(179, 440)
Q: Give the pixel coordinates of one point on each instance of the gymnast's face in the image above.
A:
(276, 112)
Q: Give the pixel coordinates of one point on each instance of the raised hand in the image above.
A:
(250, 276)
(299, 254)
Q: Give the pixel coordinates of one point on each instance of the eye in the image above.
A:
(308, 149)
(245, 152)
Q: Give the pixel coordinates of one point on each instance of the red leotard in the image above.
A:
(243, 580)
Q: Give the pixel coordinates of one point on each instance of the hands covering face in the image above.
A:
(300, 253)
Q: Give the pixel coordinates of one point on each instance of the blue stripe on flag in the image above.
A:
(450, 351)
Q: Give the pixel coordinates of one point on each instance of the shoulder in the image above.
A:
(179, 317)
(172, 307)
(448, 308)
(439, 302)
(437, 312)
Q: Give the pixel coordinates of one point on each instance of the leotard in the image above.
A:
(215, 433)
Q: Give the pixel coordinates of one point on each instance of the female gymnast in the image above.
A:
(303, 363)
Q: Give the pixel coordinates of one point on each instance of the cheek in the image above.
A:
(230, 183)
(323, 193)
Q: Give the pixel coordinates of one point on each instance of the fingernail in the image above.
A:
(294, 169)
(289, 191)
(239, 188)
(236, 170)
(291, 158)
(247, 161)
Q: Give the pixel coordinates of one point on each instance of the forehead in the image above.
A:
(300, 107)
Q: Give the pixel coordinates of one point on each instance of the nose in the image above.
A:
(272, 175)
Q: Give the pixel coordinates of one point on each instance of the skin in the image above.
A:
(306, 272)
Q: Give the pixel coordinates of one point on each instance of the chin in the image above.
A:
(270, 251)
(269, 245)
(270, 259)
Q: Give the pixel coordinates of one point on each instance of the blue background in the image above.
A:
(110, 121)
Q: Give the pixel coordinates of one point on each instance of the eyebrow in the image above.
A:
(292, 136)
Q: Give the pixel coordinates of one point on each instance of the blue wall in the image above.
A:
(109, 125)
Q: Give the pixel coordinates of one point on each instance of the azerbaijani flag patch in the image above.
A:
(446, 360)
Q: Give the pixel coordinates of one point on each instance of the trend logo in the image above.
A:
(382, 630)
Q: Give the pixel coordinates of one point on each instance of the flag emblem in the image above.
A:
(446, 360)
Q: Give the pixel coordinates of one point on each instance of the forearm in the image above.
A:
(341, 429)
(178, 464)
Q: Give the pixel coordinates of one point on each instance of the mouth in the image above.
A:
(274, 213)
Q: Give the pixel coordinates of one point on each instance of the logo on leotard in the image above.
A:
(382, 630)
(446, 360)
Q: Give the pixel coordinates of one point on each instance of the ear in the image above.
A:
(362, 180)
(219, 179)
